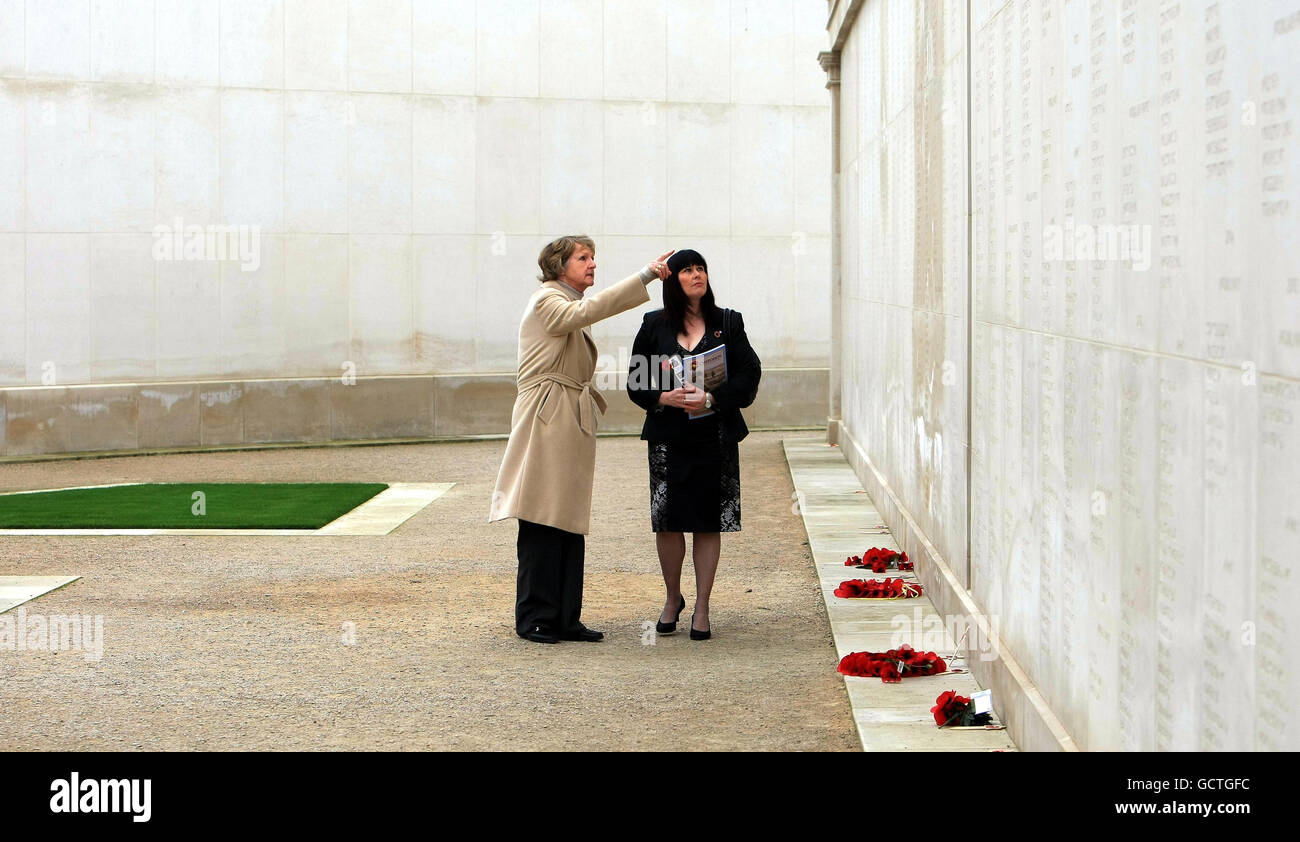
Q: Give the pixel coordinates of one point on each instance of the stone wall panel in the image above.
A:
(1131, 404)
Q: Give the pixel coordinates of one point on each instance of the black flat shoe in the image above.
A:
(696, 634)
(584, 634)
(669, 628)
(539, 634)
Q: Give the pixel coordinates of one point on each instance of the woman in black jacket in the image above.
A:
(694, 462)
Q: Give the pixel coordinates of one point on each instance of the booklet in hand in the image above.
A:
(705, 371)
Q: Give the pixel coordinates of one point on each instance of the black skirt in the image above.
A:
(695, 484)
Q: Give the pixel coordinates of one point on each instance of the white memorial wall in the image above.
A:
(392, 167)
(1134, 418)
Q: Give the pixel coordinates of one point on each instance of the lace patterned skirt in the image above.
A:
(695, 485)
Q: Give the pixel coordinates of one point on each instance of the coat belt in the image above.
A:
(591, 396)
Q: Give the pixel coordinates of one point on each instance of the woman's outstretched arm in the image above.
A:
(560, 315)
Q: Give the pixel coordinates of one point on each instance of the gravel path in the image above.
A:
(238, 642)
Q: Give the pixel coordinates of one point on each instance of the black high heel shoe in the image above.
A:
(669, 628)
(696, 634)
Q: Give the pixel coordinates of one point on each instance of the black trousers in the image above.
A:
(549, 588)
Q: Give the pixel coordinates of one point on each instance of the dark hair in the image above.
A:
(676, 300)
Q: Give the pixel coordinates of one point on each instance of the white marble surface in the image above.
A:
(379, 45)
(13, 300)
(316, 161)
(58, 40)
(13, 155)
(444, 167)
(122, 314)
(698, 69)
(443, 47)
(122, 40)
(187, 42)
(58, 306)
(316, 44)
(1133, 418)
(635, 61)
(507, 36)
(13, 53)
(361, 126)
(252, 43)
(252, 159)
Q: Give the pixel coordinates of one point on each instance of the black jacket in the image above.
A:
(646, 381)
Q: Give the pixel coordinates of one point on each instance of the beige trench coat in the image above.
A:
(550, 461)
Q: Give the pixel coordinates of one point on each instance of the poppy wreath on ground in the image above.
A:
(892, 666)
(878, 589)
(878, 560)
(951, 709)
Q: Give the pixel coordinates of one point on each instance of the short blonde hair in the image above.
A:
(557, 253)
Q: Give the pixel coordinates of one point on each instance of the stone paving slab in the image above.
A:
(387, 510)
(841, 520)
(15, 590)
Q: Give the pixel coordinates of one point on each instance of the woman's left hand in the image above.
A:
(694, 401)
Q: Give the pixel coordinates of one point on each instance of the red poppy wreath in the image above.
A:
(892, 666)
(951, 709)
(878, 589)
(879, 560)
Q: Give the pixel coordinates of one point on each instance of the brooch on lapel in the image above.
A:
(716, 334)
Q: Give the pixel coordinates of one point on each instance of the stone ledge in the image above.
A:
(842, 521)
(171, 416)
(1032, 724)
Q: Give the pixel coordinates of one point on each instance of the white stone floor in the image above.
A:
(379, 515)
(842, 521)
(387, 510)
(15, 590)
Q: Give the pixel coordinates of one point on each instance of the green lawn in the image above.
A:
(226, 505)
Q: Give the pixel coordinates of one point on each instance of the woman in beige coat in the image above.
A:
(550, 461)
